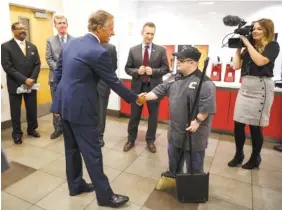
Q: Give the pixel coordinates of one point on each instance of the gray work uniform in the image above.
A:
(181, 91)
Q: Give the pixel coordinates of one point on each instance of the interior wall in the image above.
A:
(40, 30)
(125, 12)
(5, 35)
(51, 5)
(178, 22)
(191, 23)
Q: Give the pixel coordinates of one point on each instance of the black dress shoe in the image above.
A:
(56, 134)
(34, 134)
(18, 140)
(278, 148)
(115, 201)
(85, 189)
(237, 160)
(169, 174)
(102, 143)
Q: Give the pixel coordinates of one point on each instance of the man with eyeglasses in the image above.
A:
(53, 49)
(181, 90)
(20, 60)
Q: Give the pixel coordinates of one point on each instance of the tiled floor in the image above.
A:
(36, 179)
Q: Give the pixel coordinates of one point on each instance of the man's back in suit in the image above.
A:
(146, 63)
(20, 60)
(80, 61)
(83, 61)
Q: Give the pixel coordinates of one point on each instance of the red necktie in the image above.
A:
(144, 77)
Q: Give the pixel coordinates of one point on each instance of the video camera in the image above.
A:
(230, 20)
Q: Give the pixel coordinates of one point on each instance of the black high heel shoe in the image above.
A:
(237, 160)
(254, 162)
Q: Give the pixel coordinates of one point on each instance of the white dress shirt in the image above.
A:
(149, 50)
(95, 36)
(65, 38)
(22, 44)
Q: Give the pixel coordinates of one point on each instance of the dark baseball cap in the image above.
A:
(189, 52)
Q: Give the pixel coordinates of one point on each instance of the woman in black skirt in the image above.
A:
(255, 97)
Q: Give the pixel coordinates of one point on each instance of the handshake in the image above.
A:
(141, 99)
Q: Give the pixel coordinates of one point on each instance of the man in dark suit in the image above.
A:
(147, 63)
(21, 62)
(82, 62)
(53, 49)
(104, 93)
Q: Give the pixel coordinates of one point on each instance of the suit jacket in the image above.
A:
(103, 88)
(157, 61)
(17, 66)
(53, 49)
(82, 62)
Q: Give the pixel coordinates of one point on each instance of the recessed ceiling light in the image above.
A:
(212, 13)
(206, 2)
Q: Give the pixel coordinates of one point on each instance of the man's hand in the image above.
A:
(29, 82)
(193, 126)
(151, 96)
(141, 99)
(149, 70)
(141, 70)
(58, 116)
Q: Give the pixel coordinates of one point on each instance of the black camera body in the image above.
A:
(237, 42)
(243, 29)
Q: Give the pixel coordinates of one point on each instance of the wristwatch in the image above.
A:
(198, 120)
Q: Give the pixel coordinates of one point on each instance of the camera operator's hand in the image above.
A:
(245, 41)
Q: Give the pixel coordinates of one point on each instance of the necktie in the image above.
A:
(145, 78)
(22, 44)
(62, 41)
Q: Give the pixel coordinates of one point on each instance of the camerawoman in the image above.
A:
(255, 97)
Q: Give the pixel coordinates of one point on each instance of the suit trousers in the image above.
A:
(83, 140)
(102, 113)
(136, 111)
(4, 162)
(30, 100)
(56, 121)
(176, 165)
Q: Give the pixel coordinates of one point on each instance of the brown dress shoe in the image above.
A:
(34, 134)
(128, 146)
(152, 148)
